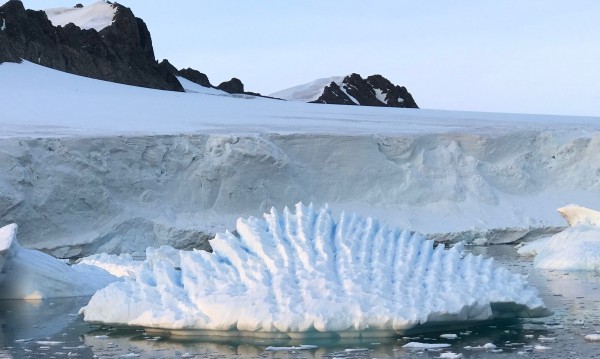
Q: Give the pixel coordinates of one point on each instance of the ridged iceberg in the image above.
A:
(303, 274)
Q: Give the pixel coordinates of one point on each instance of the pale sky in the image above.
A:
(533, 56)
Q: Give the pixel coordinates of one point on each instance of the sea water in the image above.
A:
(52, 329)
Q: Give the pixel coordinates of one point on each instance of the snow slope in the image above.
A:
(88, 166)
(307, 274)
(575, 248)
(307, 92)
(94, 16)
(32, 275)
(193, 87)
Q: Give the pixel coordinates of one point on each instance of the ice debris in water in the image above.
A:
(304, 273)
(575, 248)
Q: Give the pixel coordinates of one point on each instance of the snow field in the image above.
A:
(304, 273)
(96, 16)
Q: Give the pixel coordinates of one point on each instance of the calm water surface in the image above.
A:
(52, 329)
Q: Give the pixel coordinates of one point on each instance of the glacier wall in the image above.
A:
(76, 196)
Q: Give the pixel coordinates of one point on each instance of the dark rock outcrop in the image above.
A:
(189, 73)
(232, 86)
(393, 93)
(375, 90)
(333, 94)
(195, 76)
(121, 52)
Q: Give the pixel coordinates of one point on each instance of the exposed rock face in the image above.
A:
(232, 86)
(333, 94)
(375, 90)
(195, 76)
(120, 53)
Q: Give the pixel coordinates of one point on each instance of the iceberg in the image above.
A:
(306, 274)
(577, 248)
(33, 275)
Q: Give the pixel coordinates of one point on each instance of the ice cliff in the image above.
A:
(80, 196)
(306, 273)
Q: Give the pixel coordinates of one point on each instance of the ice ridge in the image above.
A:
(305, 273)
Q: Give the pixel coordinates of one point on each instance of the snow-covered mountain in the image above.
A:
(375, 90)
(102, 41)
(307, 92)
(88, 165)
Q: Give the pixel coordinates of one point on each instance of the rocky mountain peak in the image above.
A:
(375, 90)
(121, 52)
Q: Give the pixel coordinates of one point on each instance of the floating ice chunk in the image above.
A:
(575, 248)
(33, 275)
(542, 338)
(450, 355)
(304, 274)
(488, 346)
(292, 348)
(418, 345)
(592, 337)
(449, 336)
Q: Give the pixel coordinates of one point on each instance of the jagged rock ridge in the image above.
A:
(375, 90)
(233, 86)
(121, 52)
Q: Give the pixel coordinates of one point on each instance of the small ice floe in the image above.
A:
(578, 322)
(448, 336)
(541, 347)
(417, 345)
(292, 348)
(487, 346)
(101, 336)
(23, 340)
(75, 348)
(356, 350)
(529, 336)
(450, 355)
(129, 355)
(188, 356)
(592, 337)
(542, 338)
(73, 354)
(48, 342)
